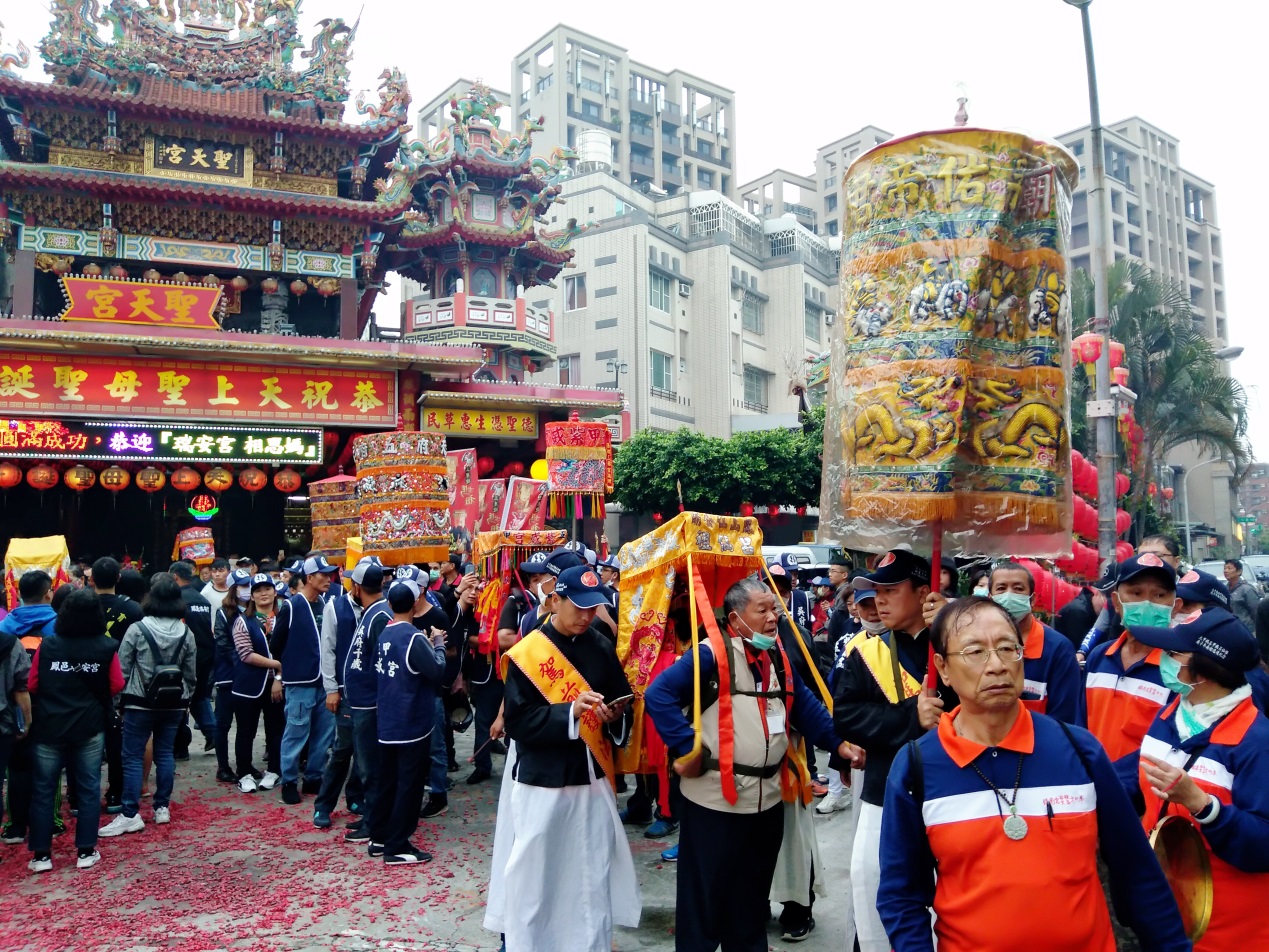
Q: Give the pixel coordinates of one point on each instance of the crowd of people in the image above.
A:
(1035, 748)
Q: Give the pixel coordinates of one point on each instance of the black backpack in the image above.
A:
(165, 688)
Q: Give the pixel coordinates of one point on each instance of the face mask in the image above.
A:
(1147, 615)
(873, 627)
(1169, 674)
(244, 595)
(1016, 604)
(1184, 619)
(759, 642)
(981, 592)
(434, 574)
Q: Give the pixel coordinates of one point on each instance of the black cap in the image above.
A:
(1145, 563)
(561, 560)
(1215, 634)
(1205, 589)
(897, 565)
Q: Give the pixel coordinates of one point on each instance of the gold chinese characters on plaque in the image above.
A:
(198, 160)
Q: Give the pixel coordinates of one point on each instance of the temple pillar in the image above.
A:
(24, 283)
(348, 309)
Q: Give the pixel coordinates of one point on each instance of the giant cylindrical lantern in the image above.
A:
(404, 503)
(947, 401)
(334, 510)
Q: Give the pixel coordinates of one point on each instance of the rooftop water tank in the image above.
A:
(594, 151)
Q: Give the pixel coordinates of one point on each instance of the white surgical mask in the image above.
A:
(873, 627)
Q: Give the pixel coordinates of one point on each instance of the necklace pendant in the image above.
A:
(1015, 827)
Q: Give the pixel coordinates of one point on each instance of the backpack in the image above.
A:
(165, 687)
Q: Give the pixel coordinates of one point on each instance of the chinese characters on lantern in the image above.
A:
(508, 424)
(145, 387)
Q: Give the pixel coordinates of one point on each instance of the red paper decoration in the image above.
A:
(657, 517)
(286, 480)
(186, 479)
(41, 477)
(252, 480)
(10, 475)
(746, 509)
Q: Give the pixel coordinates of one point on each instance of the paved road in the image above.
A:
(247, 872)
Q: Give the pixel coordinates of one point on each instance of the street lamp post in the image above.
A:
(1102, 409)
(617, 368)
(1185, 502)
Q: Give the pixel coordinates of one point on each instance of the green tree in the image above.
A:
(1183, 393)
(765, 467)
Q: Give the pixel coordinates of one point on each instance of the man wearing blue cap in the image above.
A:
(799, 601)
(569, 876)
(297, 643)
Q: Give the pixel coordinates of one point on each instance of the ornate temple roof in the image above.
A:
(210, 57)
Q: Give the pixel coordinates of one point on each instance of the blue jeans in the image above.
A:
(307, 722)
(365, 736)
(138, 725)
(200, 710)
(83, 769)
(438, 778)
(337, 766)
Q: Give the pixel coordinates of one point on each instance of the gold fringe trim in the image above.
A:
(952, 248)
(578, 452)
(423, 553)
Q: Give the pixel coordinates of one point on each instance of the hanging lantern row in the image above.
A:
(238, 282)
(151, 479)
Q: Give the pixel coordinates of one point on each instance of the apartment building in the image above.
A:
(433, 116)
(669, 130)
(699, 311)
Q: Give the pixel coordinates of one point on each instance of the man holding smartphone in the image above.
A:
(569, 876)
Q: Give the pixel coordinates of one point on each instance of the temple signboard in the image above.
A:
(199, 160)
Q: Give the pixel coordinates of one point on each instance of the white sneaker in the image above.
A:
(162, 815)
(832, 804)
(40, 864)
(247, 784)
(121, 825)
(89, 861)
(269, 780)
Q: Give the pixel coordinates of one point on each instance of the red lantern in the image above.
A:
(269, 285)
(211, 281)
(41, 477)
(1087, 348)
(186, 479)
(118, 271)
(1123, 551)
(239, 283)
(10, 475)
(298, 287)
(516, 468)
(1123, 522)
(1117, 354)
(1122, 485)
(151, 479)
(286, 480)
(115, 478)
(1152, 489)
(1168, 493)
(252, 480)
(92, 270)
(484, 465)
(657, 517)
(218, 479)
(79, 478)
(801, 510)
(746, 509)
(1119, 376)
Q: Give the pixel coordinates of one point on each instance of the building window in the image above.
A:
(658, 292)
(812, 320)
(751, 316)
(755, 389)
(830, 203)
(575, 292)
(705, 178)
(570, 369)
(832, 227)
(662, 372)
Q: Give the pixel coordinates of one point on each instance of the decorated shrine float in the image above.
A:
(48, 554)
(497, 556)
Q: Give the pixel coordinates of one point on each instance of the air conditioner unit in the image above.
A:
(685, 290)
(829, 317)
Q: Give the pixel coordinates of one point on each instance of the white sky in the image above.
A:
(807, 74)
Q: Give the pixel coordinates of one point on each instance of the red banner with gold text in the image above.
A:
(143, 388)
(141, 302)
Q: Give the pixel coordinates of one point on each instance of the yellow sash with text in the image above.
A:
(561, 683)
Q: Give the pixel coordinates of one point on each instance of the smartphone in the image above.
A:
(469, 569)
(621, 700)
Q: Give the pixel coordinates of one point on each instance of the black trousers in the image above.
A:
(247, 712)
(403, 770)
(645, 801)
(726, 864)
(114, 758)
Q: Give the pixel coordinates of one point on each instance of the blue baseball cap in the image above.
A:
(1215, 634)
(535, 564)
(609, 563)
(1141, 564)
(239, 578)
(897, 565)
(317, 565)
(561, 560)
(1196, 586)
(820, 580)
(786, 561)
(581, 586)
(282, 589)
(261, 578)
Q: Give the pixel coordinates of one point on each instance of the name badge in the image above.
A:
(775, 723)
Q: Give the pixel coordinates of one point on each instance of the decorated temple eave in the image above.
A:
(467, 394)
(88, 336)
(117, 185)
(193, 105)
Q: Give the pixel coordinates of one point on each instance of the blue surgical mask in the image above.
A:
(1146, 615)
(1016, 604)
(982, 591)
(1169, 674)
(434, 574)
(759, 642)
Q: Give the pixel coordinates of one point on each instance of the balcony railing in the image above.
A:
(666, 394)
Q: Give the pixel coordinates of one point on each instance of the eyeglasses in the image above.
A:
(977, 655)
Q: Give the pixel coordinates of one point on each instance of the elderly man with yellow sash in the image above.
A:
(569, 876)
(879, 703)
(735, 787)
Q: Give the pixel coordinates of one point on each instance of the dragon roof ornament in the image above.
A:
(210, 45)
(16, 60)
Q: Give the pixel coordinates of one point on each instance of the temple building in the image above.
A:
(195, 237)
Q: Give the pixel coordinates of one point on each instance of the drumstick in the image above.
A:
(472, 758)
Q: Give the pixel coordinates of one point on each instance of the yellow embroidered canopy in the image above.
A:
(495, 551)
(947, 403)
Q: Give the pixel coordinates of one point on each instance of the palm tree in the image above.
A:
(1183, 393)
